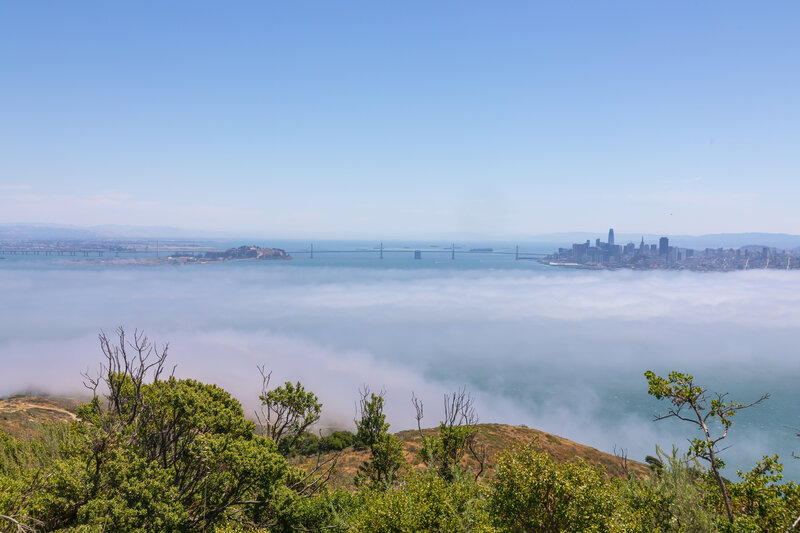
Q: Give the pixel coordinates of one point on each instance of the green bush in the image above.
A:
(309, 444)
(674, 497)
(337, 441)
(532, 493)
(423, 502)
(761, 503)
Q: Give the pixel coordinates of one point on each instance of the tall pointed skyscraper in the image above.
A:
(611, 237)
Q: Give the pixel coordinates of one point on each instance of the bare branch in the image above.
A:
(622, 459)
(16, 520)
(420, 411)
(479, 452)
(319, 480)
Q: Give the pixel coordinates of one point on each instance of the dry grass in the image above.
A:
(20, 415)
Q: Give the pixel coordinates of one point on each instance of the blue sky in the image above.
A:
(412, 119)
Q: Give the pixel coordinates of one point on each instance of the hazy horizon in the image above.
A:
(46, 231)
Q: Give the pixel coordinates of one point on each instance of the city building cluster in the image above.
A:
(661, 255)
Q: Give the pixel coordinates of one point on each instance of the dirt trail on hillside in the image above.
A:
(15, 405)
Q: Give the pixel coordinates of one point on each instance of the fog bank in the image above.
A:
(562, 351)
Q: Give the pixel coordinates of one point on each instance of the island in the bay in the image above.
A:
(661, 255)
(242, 253)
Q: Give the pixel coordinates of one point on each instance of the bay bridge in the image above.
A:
(452, 251)
(40, 249)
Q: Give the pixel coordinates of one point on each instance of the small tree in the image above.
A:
(694, 404)
(456, 437)
(386, 450)
(177, 454)
(287, 412)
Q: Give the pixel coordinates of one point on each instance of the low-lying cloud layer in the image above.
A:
(563, 351)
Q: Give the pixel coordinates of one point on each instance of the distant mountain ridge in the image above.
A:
(42, 232)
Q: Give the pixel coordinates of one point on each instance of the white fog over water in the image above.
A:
(559, 350)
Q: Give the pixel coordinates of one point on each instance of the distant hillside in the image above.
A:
(19, 415)
(248, 252)
(59, 232)
(497, 437)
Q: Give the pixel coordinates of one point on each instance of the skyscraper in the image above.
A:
(663, 246)
(611, 237)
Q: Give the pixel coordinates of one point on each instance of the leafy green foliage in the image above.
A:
(761, 502)
(386, 459)
(310, 444)
(18, 456)
(288, 411)
(131, 494)
(423, 502)
(196, 433)
(337, 441)
(386, 450)
(674, 498)
(532, 493)
(446, 450)
(372, 425)
(327, 511)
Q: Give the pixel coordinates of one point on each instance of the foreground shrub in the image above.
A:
(532, 493)
(423, 502)
(761, 503)
(674, 497)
